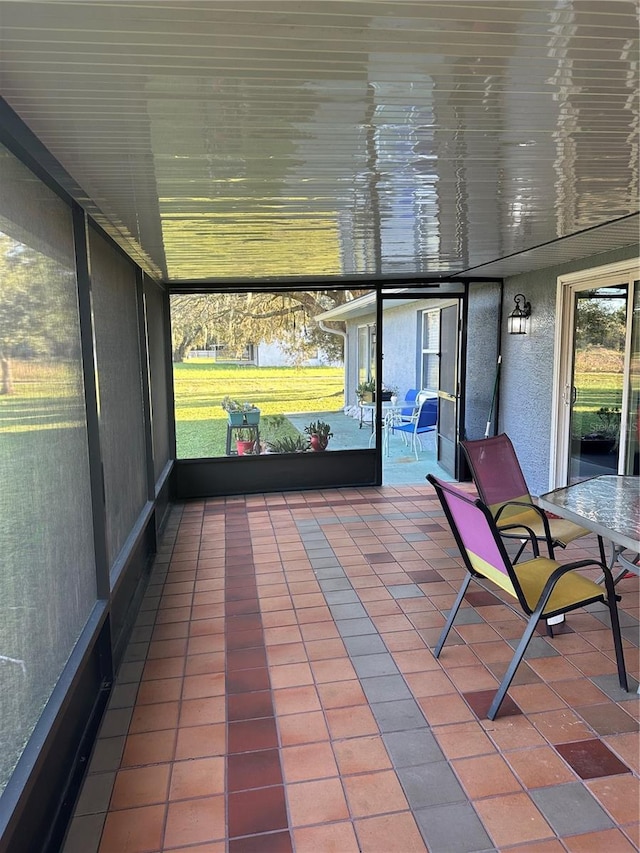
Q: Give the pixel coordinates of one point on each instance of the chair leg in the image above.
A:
(615, 628)
(515, 663)
(452, 614)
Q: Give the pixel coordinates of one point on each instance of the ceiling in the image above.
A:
(233, 140)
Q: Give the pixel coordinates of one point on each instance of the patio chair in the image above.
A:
(407, 412)
(425, 420)
(542, 587)
(501, 485)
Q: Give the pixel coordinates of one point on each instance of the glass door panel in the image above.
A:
(596, 392)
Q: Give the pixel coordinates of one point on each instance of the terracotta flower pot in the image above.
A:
(318, 443)
(244, 448)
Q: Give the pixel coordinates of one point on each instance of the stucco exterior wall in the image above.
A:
(526, 386)
(482, 355)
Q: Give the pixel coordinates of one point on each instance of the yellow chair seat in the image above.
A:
(571, 589)
(562, 531)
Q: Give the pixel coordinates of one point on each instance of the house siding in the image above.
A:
(528, 363)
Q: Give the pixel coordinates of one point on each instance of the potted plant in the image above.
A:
(319, 434)
(604, 438)
(366, 391)
(244, 442)
(240, 414)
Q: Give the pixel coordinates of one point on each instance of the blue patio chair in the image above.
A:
(406, 413)
(542, 587)
(425, 420)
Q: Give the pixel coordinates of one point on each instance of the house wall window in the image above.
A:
(430, 348)
(47, 563)
(366, 352)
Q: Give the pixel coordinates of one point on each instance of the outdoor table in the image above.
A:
(608, 505)
(389, 413)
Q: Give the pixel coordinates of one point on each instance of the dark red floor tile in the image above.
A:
(481, 599)
(241, 593)
(246, 659)
(237, 608)
(249, 706)
(249, 735)
(246, 622)
(591, 759)
(275, 842)
(248, 680)
(245, 640)
(425, 576)
(262, 810)
(260, 769)
(480, 702)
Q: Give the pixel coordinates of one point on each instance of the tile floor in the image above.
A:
(279, 694)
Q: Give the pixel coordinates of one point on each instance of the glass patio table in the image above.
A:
(608, 505)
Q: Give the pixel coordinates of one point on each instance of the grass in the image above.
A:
(199, 387)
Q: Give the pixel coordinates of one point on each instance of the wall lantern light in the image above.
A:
(518, 320)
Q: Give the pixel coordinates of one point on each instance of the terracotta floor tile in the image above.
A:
(333, 670)
(212, 847)
(371, 794)
(539, 766)
(463, 740)
(200, 741)
(561, 726)
(302, 728)
(445, 709)
(433, 683)
(341, 694)
(310, 615)
(197, 712)
(609, 840)
(535, 847)
(361, 755)
(620, 796)
(627, 748)
(279, 619)
(320, 801)
(163, 690)
(286, 653)
(403, 641)
(283, 634)
(514, 732)
(205, 663)
(248, 680)
(326, 649)
(259, 769)
(319, 631)
(486, 776)
(140, 786)
(149, 748)
(201, 777)
(133, 830)
(290, 675)
(391, 832)
(296, 700)
(148, 718)
(309, 761)
(351, 722)
(330, 838)
(512, 819)
(536, 697)
(195, 821)
(200, 686)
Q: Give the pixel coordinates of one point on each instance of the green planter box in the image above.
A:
(252, 418)
(236, 418)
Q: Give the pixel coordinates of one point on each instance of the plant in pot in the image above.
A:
(244, 442)
(319, 434)
(604, 438)
(240, 414)
(366, 391)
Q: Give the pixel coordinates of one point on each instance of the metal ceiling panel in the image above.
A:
(274, 139)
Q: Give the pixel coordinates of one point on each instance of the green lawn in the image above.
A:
(200, 386)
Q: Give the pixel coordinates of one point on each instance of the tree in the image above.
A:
(238, 319)
(36, 297)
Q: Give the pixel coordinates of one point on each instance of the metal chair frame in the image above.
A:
(479, 529)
